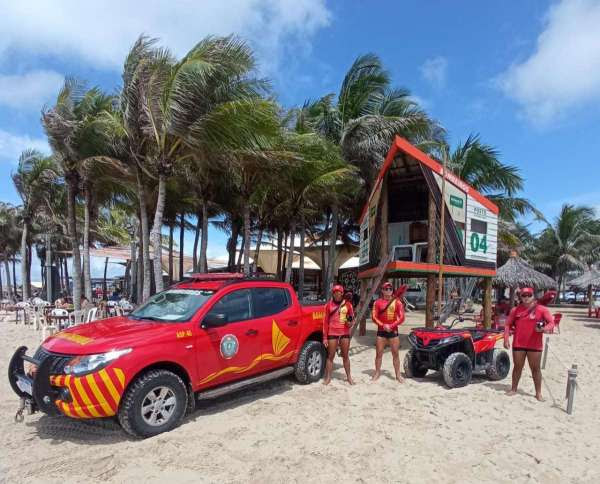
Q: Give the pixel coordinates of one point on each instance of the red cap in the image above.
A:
(526, 290)
(337, 288)
(386, 285)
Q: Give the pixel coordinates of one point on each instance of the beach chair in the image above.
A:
(23, 306)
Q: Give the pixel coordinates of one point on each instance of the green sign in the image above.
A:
(456, 201)
(478, 244)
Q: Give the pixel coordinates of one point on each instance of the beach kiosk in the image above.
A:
(400, 227)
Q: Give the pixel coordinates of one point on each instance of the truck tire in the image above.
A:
(154, 403)
(457, 370)
(500, 365)
(412, 369)
(311, 362)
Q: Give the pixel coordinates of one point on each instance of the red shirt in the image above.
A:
(335, 322)
(524, 321)
(392, 316)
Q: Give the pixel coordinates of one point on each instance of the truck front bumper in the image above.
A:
(94, 395)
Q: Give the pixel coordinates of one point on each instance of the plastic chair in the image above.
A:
(557, 318)
(91, 315)
(77, 317)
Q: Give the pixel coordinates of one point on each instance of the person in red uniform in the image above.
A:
(529, 321)
(337, 322)
(387, 314)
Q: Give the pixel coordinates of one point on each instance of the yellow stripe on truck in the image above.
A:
(109, 385)
(98, 394)
(84, 396)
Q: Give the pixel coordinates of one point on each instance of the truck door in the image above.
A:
(279, 321)
(234, 350)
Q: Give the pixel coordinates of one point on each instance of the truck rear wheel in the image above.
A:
(154, 403)
(412, 368)
(500, 365)
(311, 362)
(457, 370)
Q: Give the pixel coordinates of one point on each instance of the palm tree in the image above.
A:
(74, 133)
(571, 242)
(366, 116)
(35, 173)
(479, 165)
(206, 102)
(9, 236)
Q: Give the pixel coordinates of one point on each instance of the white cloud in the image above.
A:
(434, 71)
(564, 70)
(30, 90)
(101, 33)
(11, 145)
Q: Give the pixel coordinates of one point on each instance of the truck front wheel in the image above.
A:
(154, 403)
(311, 362)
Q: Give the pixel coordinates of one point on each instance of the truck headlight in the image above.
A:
(81, 365)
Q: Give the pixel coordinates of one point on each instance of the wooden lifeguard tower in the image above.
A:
(400, 227)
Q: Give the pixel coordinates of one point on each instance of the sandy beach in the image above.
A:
(418, 431)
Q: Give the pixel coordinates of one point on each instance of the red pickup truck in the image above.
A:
(201, 338)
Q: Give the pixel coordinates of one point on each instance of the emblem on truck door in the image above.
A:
(229, 346)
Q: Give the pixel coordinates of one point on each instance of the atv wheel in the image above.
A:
(154, 403)
(500, 365)
(412, 369)
(311, 362)
(457, 370)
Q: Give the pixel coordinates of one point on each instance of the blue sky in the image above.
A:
(523, 75)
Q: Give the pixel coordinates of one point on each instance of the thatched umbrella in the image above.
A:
(587, 280)
(518, 273)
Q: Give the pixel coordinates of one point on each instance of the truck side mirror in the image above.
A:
(213, 320)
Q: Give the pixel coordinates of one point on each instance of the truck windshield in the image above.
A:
(172, 305)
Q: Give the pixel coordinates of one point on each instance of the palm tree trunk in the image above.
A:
(141, 279)
(181, 241)
(301, 271)
(72, 226)
(238, 265)
(196, 239)
(204, 239)
(290, 261)
(284, 256)
(155, 235)
(144, 275)
(1, 287)
(14, 274)
(133, 269)
(257, 249)
(24, 260)
(49, 281)
(171, 229)
(279, 254)
(246, 239)
(29, 258)
(590, 296)
(331, 256)
(87, 273)
(104, 288)
(323, 266)
(11, 294)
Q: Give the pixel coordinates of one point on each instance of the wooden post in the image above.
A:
(362, 329)
(487, 303)
(442, 230)
(383, 199)
(430, 295)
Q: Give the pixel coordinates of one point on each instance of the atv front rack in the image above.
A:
(33, 387)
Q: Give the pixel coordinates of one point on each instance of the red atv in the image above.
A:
(456, 352)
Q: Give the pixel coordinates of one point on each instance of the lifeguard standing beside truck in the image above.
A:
(337, 322)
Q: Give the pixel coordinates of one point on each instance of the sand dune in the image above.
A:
(419, 431)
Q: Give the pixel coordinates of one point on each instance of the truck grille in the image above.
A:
(58, 361)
